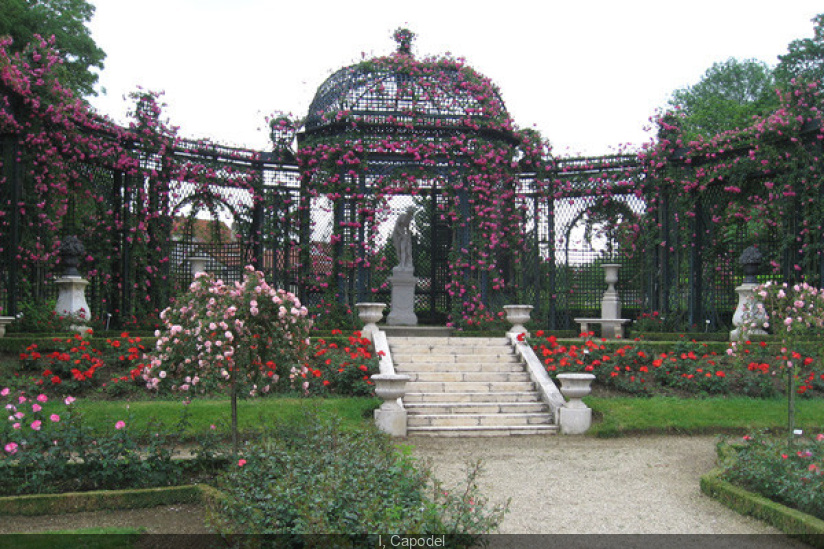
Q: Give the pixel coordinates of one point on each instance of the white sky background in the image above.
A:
(587, 74)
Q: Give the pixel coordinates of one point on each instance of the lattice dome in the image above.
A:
(398, 90)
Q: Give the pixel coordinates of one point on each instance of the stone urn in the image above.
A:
(5, 321)
(198, 264)
(391, 416)
(611, 275)
(518, 315)
(575, 416)
(390, 387)
(370, 314)
(575, 387)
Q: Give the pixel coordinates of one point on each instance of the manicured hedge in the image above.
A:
(790, 521)
(76, 502)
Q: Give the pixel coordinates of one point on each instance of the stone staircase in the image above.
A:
(468, 387)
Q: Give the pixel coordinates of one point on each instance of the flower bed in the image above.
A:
(787, 472)
(773, 480)
(684, 367)
(111, 367)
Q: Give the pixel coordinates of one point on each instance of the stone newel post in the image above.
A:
(391, 416)
(575, 416)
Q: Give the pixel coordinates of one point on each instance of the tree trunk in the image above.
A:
(234, 419)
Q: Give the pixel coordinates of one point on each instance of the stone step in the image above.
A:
(478, 431)
(460, 377)
(435, 408)
(469, 386)
(416, 332)
(445, 357)
(411, 367)
(412, 398)
(450, 341)
(479, 420)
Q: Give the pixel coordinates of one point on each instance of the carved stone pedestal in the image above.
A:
(71, 300)
(402, 311)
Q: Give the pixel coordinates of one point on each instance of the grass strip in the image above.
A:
(253, 414)
(622, 416)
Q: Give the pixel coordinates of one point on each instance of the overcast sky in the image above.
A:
(587, 74)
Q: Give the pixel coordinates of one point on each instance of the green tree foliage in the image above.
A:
(728, 96)
(66, 21)
(805, 56)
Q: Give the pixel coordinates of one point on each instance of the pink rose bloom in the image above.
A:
(119, 425)
(55, 418)
(42, 398)
(36, 407)
(241, 462)
(35, 425)
(11, 448)
(69, 400)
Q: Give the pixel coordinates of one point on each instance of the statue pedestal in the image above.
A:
(747, 313)
(402, 311)
(71, 300)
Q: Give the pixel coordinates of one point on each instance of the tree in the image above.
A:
(234, 336)
(728, 96)
(805, 57)
(66, 21)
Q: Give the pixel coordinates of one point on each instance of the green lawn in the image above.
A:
(613, 416)
(617, 416)
(253, 414)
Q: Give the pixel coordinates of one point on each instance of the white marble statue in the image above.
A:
(402, 239)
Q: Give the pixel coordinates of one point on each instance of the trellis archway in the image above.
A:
(394, 132)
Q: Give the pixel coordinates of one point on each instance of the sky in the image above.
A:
(588, 74)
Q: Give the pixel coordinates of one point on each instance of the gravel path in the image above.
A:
(557, 485)
(583, 485)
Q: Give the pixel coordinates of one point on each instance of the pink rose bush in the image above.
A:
(239, 336)
(785, 309)
(46, 447)
(220, 335)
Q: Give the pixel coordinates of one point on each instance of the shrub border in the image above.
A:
(77, 502)
(791, 521)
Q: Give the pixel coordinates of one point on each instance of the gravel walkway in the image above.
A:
(583, 485)
(557, 485)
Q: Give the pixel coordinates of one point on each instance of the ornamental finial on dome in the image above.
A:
(404, 38)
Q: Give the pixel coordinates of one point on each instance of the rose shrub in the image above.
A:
(219, 336)
(310, 477)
